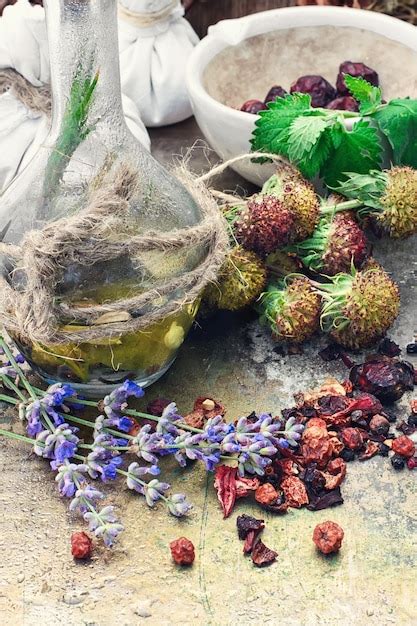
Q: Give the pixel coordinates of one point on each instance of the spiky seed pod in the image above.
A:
(292, 309)
(359, 307)
(241, 280)
(265, 225)
(390, 197)
(298, 196)
(336, 243)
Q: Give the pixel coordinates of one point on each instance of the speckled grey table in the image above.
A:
(371, 581)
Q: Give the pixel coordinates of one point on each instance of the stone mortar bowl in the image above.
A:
(241, 59)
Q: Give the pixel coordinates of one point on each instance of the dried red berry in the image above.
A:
(404, 446)
(81, 545)
(386, 378)
(343, 103)
(379, 425)
(328, 537)
(336, 466)
(352, 438)
(356, 70)
(275, 92)
(316, 446)
(266, 494)
(261, 555)
(318, 422)
(320, 90)
(412, 463)
(182, 551)
(253, 106)
(294, 491)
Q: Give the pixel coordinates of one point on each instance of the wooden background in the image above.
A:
(202, 13)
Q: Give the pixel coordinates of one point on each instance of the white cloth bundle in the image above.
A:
(155, 42)
(24, 48)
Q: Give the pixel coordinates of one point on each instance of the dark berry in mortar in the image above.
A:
(397, 462)
(356, 70)
(320, 90)
(253, 106)
(275, 92)
(343, 103)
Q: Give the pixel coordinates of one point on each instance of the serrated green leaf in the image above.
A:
(359, 151)
(312, 162)
(368, 96)
(272, 127)
(398, 122)
(304, 132)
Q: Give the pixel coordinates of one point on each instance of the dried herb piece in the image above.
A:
(371, 450)
(262, 556)
(294, 491)
(246, 524)
(389, 348)
(266, 494)
(328, 537)
(387, 379)
(326, 500)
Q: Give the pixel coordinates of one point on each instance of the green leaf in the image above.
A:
(313, 161)
(359, 151)
(398, 122)
(272, 127)
(304, 132)
(368, 96)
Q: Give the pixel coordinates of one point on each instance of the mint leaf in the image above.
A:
(368, 96)
(308, 147)
(272, 128)
(359, 151)
(398, 122)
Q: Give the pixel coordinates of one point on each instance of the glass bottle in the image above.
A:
(89, 136)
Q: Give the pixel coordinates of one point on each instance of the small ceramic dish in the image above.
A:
(241, 59)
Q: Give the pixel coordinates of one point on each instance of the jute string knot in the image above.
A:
(32, 308)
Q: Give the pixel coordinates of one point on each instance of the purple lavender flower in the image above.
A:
(59, 445)
(53, 403)
(68, 477)
(117, 399)
(136, 472)
(178, 505)
(154, 490)
(147, 445)
(104, 524)
(85, 496)
(33, 417)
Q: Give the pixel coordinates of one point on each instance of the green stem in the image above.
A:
(11, 435)
(8, 382)
(342, 206)
(9, 399)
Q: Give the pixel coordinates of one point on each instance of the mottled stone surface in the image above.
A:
(370, 582)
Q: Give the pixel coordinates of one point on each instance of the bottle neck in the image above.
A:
(83, 44)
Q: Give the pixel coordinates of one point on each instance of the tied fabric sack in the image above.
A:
(24, 48)
(155, 42)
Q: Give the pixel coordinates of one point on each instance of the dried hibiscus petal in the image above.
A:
(317, 422)
(326, 500)
(328, 537)
(317, 450)
(195, 419)
(246, 524)
(389, 347)
(286, 467)
(404, 446)
(244, 485)
(225, 485)
(294, 491)
(332, 481)
(261, 555)
(371, 450)
(209, 406)
(386, 378)
(249, 541)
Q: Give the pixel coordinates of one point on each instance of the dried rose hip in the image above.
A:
(182, 551)
(253, 106)
(371, 449)
(266, 494)
(261, 555)
(275, 92)
(356, 70)
(328, 537)
(412, 463)
(379, 425)
(343, 103)
(81, 545)
(404, 446)
(352, 438)
(294, 491)
(320, 90)
(386, 378)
